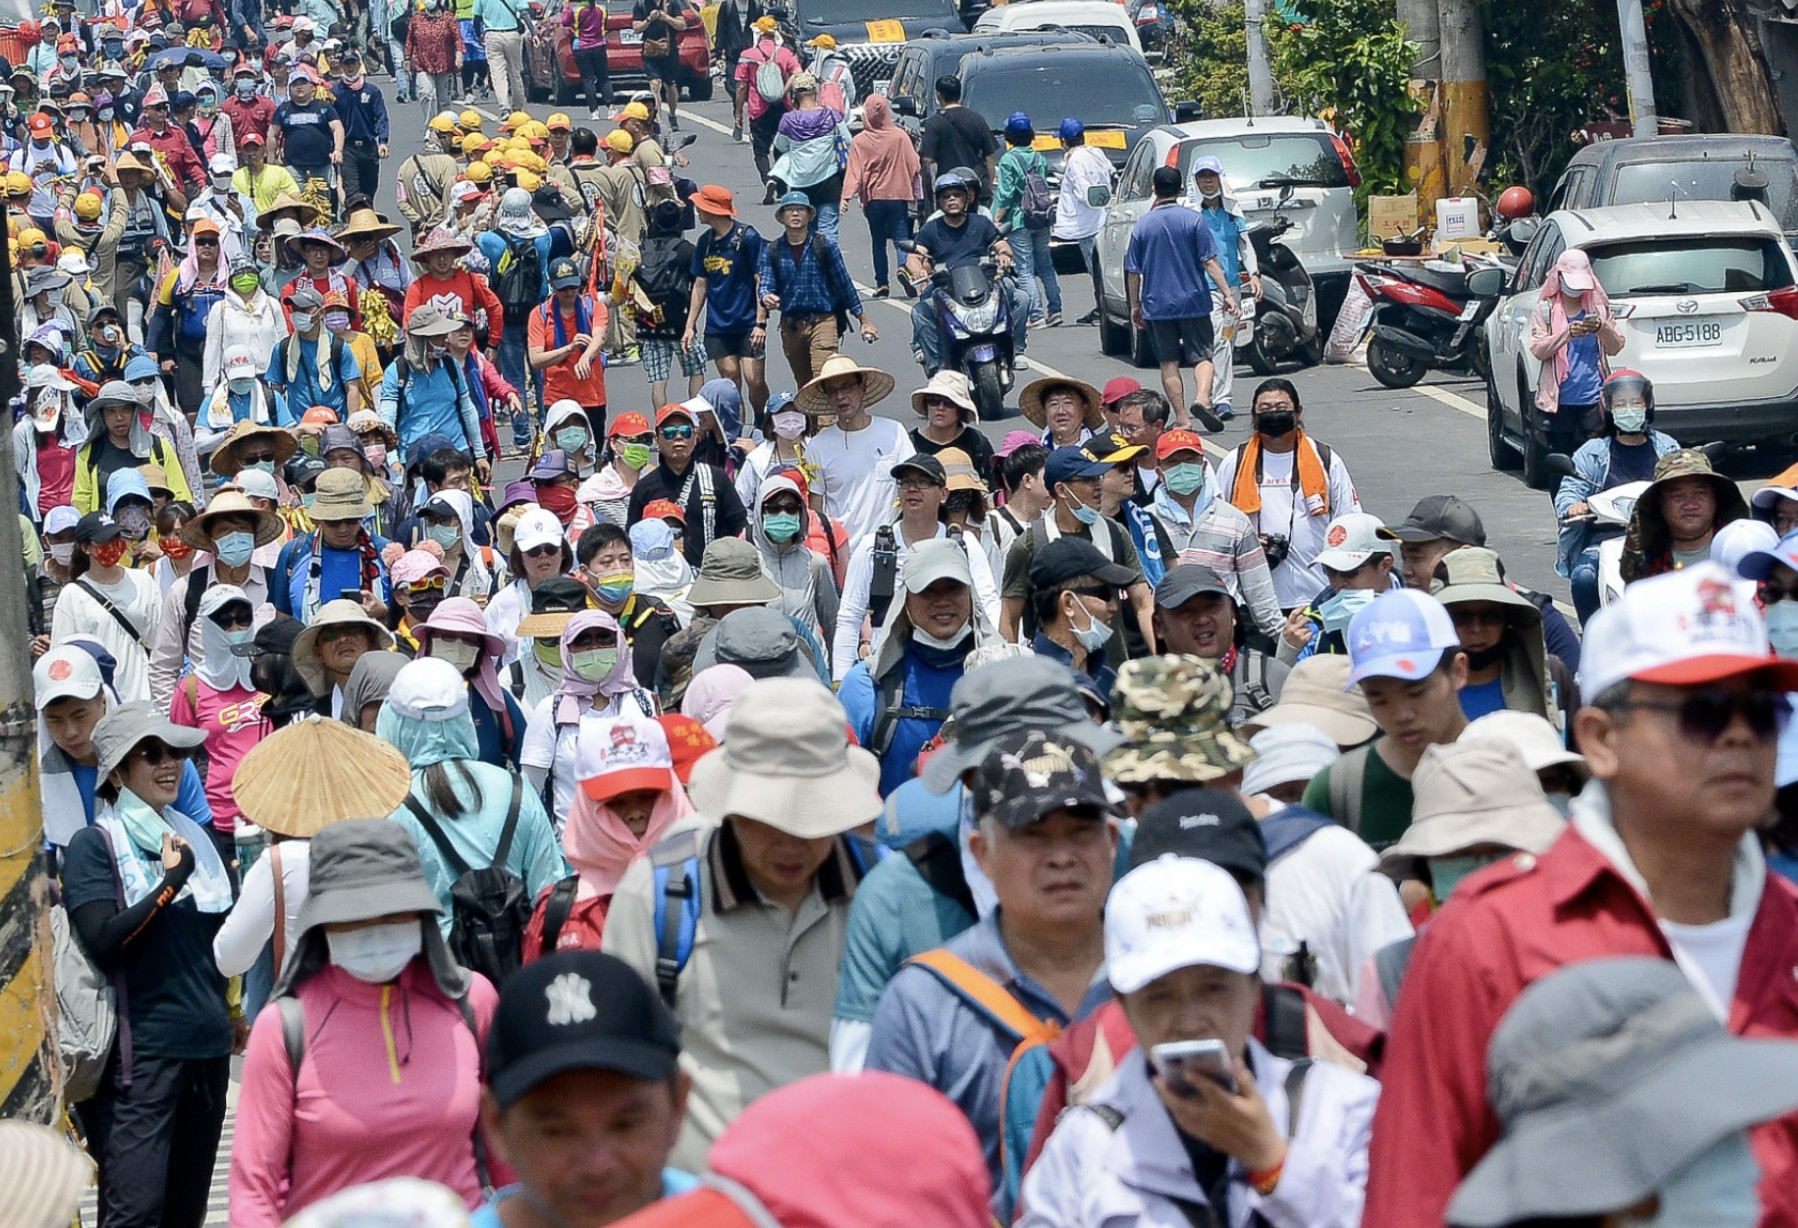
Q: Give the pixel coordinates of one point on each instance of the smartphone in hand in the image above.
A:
(1181, 1062)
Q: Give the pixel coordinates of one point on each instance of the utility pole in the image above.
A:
(30, 1072)
(1466, 117)
(1635, 68)
(1423, 147)
(1261, 75)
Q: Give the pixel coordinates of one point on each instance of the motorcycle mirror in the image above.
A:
(905, 245)
(1557, 462)
(1518, 234)
(686, 139)
(1098, 195)
(905, 104)
(1487, 282)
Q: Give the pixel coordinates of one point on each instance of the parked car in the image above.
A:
(912, 90)
(1262, 157)
(1642, 170)
(1099, 18)
(870, 34)
(549, 69)
(1155, 26)
(1707, 295)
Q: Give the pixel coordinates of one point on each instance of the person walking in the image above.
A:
(804, 278)
(726, 270)
(363, 110)
(146, 891)
(433, 51)
(1083, 168)
(115, 605)
(812, 142)
(504, 42)
(367, 1064)
(1573, 334)
(883, 170)
(1171, 255)
(661, 23)
(764, 70)
(1237, 256)
(585, 20)
(1025, 218)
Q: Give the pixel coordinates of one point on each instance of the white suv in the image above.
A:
(1261, 157)
(1706, 293)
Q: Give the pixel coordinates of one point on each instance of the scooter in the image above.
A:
(973, 314)
(1428, 316)
(1285, 320)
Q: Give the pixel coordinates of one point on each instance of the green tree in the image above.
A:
(1210, 58)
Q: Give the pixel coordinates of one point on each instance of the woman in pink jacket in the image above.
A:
(366, 1064)
(1573, 334)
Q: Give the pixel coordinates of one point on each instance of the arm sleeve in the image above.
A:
(211, 357)
(1257, 581)
(541, 865)
(1544, 340)
(250, 924)
(824, 588)
(851, 610)
(261, 1154)
(104, 929)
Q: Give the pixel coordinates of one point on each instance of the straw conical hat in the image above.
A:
(42, 1175)
(316, 772)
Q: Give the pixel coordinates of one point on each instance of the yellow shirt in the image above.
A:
(273, 181)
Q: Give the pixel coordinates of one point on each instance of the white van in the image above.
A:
(1095, 17)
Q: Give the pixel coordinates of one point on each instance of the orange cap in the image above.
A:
(665, 509)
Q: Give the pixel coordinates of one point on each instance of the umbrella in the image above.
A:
(190, 57)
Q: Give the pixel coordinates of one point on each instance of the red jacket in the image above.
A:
(1502, 929)
(178, 151)
(471, 292)
(251, 116)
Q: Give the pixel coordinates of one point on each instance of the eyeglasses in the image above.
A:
(155, 754)
(233, 616)
(430, 584)
(677, 432)
(1772, 594)
(919, 483)
(551, 550)
(633, 439)
(329, 633)
(1704, 715)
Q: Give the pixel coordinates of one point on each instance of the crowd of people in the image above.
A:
(765, 811)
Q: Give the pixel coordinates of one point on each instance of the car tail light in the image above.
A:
(1622, 311)
(1148, 14)
(1348, 160)
(1785, 302)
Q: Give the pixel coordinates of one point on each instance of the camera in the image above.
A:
(1276, 547)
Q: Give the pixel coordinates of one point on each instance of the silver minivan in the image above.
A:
(1261, 157)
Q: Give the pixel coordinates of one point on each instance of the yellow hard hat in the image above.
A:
(470, 120)
(443, 121)
(515, 121)
(474, 143)
(528, 180)
(478, 172)
(18, 183)
(558, 123)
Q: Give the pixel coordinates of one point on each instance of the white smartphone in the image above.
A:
(1180, 1061)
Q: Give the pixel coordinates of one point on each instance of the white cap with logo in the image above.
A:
(1176, 912)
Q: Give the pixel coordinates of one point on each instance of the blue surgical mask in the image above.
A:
(571, 439)
(1782, 627)
(1184, 479)
(1341, 609)
(1084, 514)
(446, 535)
(234, 549)
(267, 466)
(1446, 873)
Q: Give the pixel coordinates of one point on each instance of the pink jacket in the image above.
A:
(389, 1086)
(1546, 341)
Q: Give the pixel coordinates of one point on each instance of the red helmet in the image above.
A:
(1516, 202)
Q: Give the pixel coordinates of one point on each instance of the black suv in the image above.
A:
(913, 88)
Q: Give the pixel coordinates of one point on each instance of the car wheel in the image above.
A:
(1498, 449)
(1142, 354)
(1113, 338)
(1535, 455)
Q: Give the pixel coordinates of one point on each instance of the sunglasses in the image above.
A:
(155, 754)
(677, 432)
(1704, 715)
(598, 638)
(206, 242)
(430, 584)
(543, 552)
(1772, 594)
(633, 438)
(330, 634)
(233, 616)
(254, 458)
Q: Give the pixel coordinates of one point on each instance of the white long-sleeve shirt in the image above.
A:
(139, 598)
(845, 643)
(258, 326)
(251, 922)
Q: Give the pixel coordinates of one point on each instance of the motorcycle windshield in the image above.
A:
(968, 285)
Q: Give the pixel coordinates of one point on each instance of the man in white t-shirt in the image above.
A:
(856, 454)
(1077, 219)
(1298, 487)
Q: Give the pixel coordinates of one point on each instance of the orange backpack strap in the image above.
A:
(987, 996)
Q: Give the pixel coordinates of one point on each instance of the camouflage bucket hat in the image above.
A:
(1172, 710)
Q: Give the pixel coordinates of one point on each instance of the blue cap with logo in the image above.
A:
(1402, 634)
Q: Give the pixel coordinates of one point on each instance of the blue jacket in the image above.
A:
(1591, 475)
(929, 675)
(364, 113)
(293, 589)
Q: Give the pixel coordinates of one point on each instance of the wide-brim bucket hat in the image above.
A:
(1471, 795)
(338, 613)
(224, 458)
(314, 772)
(124, 727)
(288, 207)
(877, 385)
(787, 762)
(1030, 401)
(1474, 573)
(1610, 1076)
(731, 574)
(952, 386)
(198, 531)
(1315, 694)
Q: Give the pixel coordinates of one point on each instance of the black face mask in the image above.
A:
(1276, 422)
(420, 606)
(1485, 658)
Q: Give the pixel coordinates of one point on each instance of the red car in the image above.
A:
(549, 68)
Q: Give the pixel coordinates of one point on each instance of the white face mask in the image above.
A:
(63, 553)
(458, 654)
(1630, 420)
(376, 954)
(1097, 633)
(924, 637)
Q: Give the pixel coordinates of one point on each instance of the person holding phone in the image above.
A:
(1230, 1132)
(146, 891)
(1572, 333)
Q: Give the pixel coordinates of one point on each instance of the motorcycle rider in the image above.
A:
(1625, 452)
(956, 238)
(1234, 251)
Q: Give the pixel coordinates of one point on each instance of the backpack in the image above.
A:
(770, 82)
(1027, 1073)
(489, 907)
(87, 1012)
(1348, 779)
(519, 280)
(675, 929)
(881, 587)
(668, 281)
(1037, 204)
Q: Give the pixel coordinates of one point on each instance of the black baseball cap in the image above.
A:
(559, 595)
(97, 528)
(1208, 824)
(1029, 772)
(1442, 517)
(1069, 558)
(1166, 181)
(924, 463)
(1181, 584)
(578, 1010)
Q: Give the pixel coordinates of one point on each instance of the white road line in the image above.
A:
(697, 118)
(1453, 400)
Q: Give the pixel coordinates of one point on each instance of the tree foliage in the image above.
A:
(1211, 55)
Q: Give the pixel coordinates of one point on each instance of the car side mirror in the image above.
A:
(1186, 112)
(1098, 195)
(1487, 282)
(905, 104)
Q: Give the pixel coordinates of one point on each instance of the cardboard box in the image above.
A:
(1388, 216)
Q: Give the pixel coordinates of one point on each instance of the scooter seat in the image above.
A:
(1453, 284)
